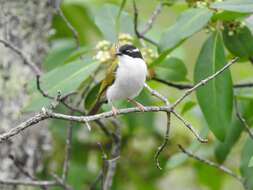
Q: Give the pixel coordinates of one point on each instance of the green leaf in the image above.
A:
(249, 23)
(79, 17)
(91, 97)
(216, 97)
(76, 54)
(246, 155)
(222, 149)
(65, 79)
(171, 69)
(188, 23)
(60, 50)
(243, 6)
(203, 173)
(241, 43)
(228, 16)
(106, 21)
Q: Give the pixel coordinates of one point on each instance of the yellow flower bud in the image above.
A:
(125, 39)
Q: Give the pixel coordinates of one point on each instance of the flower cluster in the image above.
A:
(125, 39)
(201, 3)
(106, 50)
(149, 55)
(103, 51)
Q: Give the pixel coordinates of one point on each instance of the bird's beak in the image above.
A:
(118, 54)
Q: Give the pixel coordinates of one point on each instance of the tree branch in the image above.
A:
(212, 164)
(165, 142)
(152, 19)
(69, 25)
(68, 149)
(110, 164)
(28, 183)
(242, 120)
(166, 138)
(45, 114)
(188, 86)
(138, 34)
(204, 81)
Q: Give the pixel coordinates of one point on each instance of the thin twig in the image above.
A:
(242, 120)
(43, 93)
(28, 182)
(188, 86)
(60, 99)
(61, 182)
(69, 25)
(68, 149)
(165, 100)
(189, 126)
(203, 82)
(138, 34)
(96, 181)
(212, 164)
(20, 166)
(111, 164)
(244, 85)
(22, 55)
(174, 85)
(165, 142)
(18, 129)
(157, 94)
(152, 19)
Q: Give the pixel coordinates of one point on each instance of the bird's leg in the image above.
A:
(115, 111)
(137, 104)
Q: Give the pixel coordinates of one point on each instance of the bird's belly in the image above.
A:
(128, 83)
(131, 84)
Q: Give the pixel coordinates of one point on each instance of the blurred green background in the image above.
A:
(143, 133)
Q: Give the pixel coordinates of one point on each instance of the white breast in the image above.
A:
(129, 80)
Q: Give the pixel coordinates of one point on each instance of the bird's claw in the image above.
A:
(115, 111)
(140, 106)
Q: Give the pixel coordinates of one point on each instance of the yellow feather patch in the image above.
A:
(109, 78)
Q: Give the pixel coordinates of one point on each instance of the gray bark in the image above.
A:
(26, 24)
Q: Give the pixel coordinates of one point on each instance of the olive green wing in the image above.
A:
(109, 78)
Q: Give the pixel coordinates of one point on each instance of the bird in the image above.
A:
(124, 80)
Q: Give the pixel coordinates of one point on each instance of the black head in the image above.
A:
(129, 50)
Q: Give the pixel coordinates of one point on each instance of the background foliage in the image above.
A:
(195, 39)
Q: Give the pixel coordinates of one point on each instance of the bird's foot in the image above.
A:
(137, 104)
(115, 111)
(140, 106)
